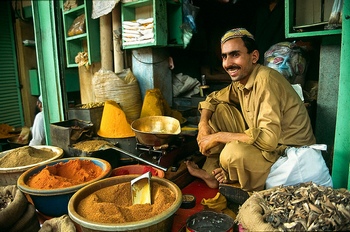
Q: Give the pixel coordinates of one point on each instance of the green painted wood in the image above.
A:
(48, 62)
(90, 39)
(71, 81)
(34, 82)
(129, 12)
(11, 104)
(289, 23)
(175, 34)
(341, 159)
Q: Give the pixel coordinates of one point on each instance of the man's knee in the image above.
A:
(233, 152)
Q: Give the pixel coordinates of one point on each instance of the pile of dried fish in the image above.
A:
(306, 207)
(5, 200)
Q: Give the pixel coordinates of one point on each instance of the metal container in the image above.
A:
(9, 176)
(14, 143)
(127, 144)
(209, 221)
(110, 155)
(155, 130)
(162, 222)
(68, 132)
(53, 202)
(92, 115)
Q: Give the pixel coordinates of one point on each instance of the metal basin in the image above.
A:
(155, 130)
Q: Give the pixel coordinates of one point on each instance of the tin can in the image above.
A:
(205, 221)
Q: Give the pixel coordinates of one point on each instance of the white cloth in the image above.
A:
(38, 130)
(300, 165)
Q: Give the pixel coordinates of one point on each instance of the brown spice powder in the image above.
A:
(91, 145)
(113, 204)
(24, 156)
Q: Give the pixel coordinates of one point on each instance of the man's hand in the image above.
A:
(206, 138)
(206, 143)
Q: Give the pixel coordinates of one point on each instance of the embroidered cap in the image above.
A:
(236, 33)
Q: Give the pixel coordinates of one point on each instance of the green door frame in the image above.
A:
(48, 62)
(341, 159)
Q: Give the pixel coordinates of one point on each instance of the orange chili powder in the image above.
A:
(65, 174)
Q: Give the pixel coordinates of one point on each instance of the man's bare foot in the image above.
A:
(220, 175)
(194, 170)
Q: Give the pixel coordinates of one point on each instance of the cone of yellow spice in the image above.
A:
(114, 123)
(154, 104)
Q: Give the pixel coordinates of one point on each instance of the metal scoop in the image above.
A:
(141, 189)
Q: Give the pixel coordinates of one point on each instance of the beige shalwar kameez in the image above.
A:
(267, 109)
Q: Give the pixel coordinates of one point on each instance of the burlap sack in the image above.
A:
(250, 215)
(122, 88)
(13, 212)
(28, 222)
(59, 224)
(303, 207)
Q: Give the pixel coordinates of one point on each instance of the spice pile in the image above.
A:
(92, 105)
(91, 145)
(5, 131)
(16, 213)
(114, 122)
(24, 156)
(114, 204)
(65, 174)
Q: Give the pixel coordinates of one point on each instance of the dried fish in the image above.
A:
(315, 208)
(306, 207)
(5, 200)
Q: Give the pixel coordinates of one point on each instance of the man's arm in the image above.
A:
(207, 138)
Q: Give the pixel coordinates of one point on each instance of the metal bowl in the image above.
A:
(9, 176)
(160, 222)
(155, 130)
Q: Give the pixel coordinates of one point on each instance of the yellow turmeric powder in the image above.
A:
(154, 104)
(114, 123)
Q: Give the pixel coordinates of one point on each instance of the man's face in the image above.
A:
(39, 104)
(236, 60)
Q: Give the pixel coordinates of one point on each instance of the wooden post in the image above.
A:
(87, 93)
(118, 54)
(106, 42)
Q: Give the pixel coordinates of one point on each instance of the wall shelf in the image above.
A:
(290, 16)
(89, 41)
(167, 19)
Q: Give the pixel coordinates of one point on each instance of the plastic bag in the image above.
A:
(294, 168)
(70, 4)
(78, 26)
(289, 59)
(335, 19)
(189, 25)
